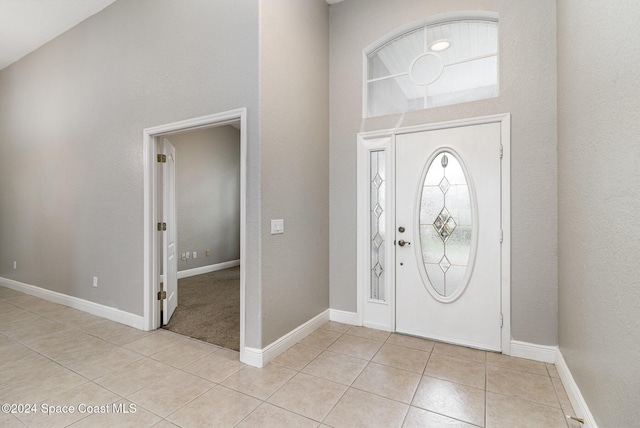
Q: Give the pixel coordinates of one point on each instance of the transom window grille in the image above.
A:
(440, 64)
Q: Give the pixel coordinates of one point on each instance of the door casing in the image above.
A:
(381, 315)
(152, 213)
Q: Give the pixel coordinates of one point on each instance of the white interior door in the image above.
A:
(169, 251)
(448, 235)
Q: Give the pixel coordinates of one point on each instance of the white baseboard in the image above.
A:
(532, 351)
(96, 309)
(343, 317)
(207, 269)
(260, 357)
(575, 396)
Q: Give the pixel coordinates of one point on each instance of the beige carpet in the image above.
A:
(209, 308)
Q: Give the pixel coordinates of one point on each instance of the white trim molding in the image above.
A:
(260, 357)
(580, 407)
(92, 308)
(532, 351)
(207, 269)
(343, 317)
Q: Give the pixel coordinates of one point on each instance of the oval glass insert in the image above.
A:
(446, 224)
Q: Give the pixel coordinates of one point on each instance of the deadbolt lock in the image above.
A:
(401, 229)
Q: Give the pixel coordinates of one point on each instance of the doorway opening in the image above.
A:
(195, 217)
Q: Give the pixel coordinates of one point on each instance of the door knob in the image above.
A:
(402, 243)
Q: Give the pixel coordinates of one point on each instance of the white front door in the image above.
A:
(448, 235)
(169, 251)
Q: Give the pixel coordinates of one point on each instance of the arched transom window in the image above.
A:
(439, 64)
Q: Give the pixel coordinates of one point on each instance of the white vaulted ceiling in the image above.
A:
(25, 25)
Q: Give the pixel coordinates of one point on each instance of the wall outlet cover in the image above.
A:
(277, 226)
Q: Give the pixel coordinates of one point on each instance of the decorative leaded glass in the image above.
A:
(445, 224)
(377, 221)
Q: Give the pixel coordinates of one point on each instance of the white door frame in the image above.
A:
(151, 264)
(381, 315)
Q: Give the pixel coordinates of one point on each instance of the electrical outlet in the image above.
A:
(15, 265)
(195, 255)
(277, 227)
(95, 281)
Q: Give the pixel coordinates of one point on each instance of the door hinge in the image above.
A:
(501, 236)
(501, 152)
(162, 295)
(501, 320)
(162, 158)
(162, 226)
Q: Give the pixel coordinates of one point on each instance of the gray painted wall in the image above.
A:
(208, 195)
(71, 121)
(294, 140)
(527, 46)
(598, 182)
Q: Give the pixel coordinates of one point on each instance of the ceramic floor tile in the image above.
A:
(170, 393)
(514, 363)
(355, 346)
(369, 333)
(104, 362)
(553, 371)
(215, 367)
(411, 342)
(335, 326)
(185, 353)
(563, 398)
(362, 409)
(135, 376)
(420, 418)
(509, 412)
(523, 385)
(35, 329)
(308, 396)
(259, 383)
(297, 356)
(165, 424)
(335, 367)
(460, 352)
(466, 372)
(121, 414)
(80, 400)
(114, 332)
(402, 358)
(268, 416)
(9, 421)
(156, 342)
(389, 382)
(218, 407)
(321, 338)
(39, 383)
(451, 399)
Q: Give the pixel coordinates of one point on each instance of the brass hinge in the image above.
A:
(162, 295)
(162, 158)
(162, 226)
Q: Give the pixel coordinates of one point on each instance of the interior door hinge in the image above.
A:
(501, 320)
(501, 152)
(162, 295)
(501, 236)
(162, 158)
(162, 227)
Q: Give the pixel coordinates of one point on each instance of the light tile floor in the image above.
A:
(52, 356)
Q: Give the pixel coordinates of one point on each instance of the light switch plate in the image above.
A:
(277, 227)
